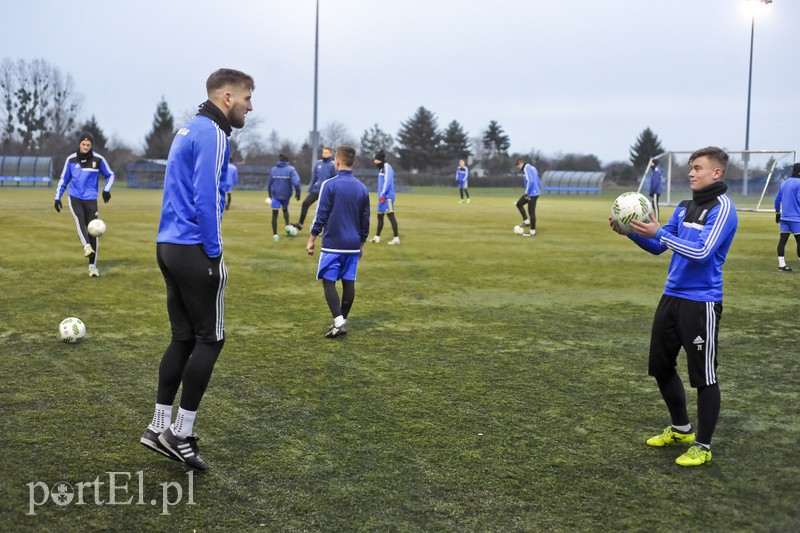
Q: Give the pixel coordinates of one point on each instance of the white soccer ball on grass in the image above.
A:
(96, 227)
(72, 329)
(519, 230)
(630, 206)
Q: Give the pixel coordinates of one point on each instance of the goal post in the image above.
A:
(753, 176)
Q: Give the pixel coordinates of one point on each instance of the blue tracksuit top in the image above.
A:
(82, 178)
(655, 180)
(194, 200)
(787, 200)
(699, 234)
(282, 179)
(342, 214)
(462, 176)
(532, 183)
(386, 182)
(323, 169)
(231, 178)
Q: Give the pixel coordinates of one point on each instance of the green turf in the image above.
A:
(487, 382)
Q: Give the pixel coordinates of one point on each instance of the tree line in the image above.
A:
(41, 108)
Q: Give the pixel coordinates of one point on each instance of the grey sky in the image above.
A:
(580, 76)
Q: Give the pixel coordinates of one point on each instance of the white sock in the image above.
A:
(183, 423)
(339, 321)
(781, 261)
(683, 429)
(161, 418)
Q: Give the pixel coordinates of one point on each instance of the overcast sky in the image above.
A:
(560, 76)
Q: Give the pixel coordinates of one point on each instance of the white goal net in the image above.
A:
(753, 177)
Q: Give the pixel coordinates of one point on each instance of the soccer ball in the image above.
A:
(96, 227)
(72, 329)
(291, 231)
(519, 230)
(630, 206)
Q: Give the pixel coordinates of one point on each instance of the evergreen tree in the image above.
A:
(495, 140)
(456, 143)
(419, 140)
(159, 139)
(100, 140)
(646, 147)
(374, 140)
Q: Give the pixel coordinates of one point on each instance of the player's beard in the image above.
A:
(237, 121)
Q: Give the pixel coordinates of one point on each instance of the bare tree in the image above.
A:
(334, 134)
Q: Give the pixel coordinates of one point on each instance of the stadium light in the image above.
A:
(754, 4)
(314, 132)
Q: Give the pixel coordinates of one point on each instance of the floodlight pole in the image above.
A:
(314, 133)
(749, 93)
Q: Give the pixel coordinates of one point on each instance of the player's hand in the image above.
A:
(646, 229)
(58, 205)
(777, 218)
(527, 198)
(297, 197)
(382, 199)
(615, 226)
(106, 197)
(310, 245)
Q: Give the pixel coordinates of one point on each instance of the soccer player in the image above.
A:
(462, 175)
(532, 186)
(787, 214)
(386, 197)
(189, 254)
(81, 170)
(655, 184)
(323, 169)
(343, 220)
(699, 233)
(282, 179)
(230, 183)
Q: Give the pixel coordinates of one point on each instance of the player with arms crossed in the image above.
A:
(699, 233)
(81, 170)
(189, 254)
(787, 214)
(343, 220)
(462, 178)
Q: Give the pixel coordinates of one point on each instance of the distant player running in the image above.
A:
(462, 177)
(529, 198)
(343, 221)
(386, 197)
(787, 214)
(81, 172)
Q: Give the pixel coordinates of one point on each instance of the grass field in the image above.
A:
(487, 383)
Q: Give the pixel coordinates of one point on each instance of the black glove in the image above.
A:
(106, 197)
(58, 206)
(777, 218)
(297, 197)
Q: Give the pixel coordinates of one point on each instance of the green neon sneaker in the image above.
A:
(694, 456)
(671, 436)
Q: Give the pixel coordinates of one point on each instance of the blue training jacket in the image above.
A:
(323, 169)
(462, 176)
(82, 177)
(282, 179)
(386, 182)
(699, 234)
(342, 214)
(231, 178)
(787, 200)
(532, 183)
(194, 198)
(655, 180)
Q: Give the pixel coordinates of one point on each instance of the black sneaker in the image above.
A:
(298, 226)
(336, 332)
(784, 269)
(150, 440)
(184, 449)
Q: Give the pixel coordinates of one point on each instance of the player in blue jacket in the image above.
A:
(230, 183)
(699, 233)
(323, 169)
(343, 221)
(531, 195)
(462, 177)
(655, 184)
(787, 214)
(189, 254)
(283, 178)
(386, 197)
(81, 172)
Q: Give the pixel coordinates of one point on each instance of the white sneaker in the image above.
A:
(87, 249)
(375, 239)
(526, 222)
(531, 233)
(396, 240)
(93, 272)
(276, 238)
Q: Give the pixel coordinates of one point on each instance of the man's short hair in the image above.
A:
(712, 152)
(519, 161)
(346, 154)
(328, 148)
(229, 76)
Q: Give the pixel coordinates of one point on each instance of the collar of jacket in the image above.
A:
(208, 109)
